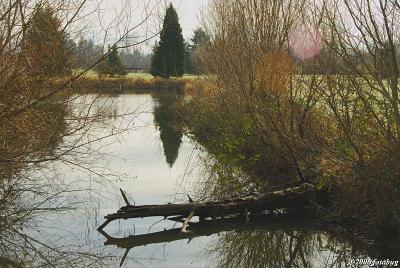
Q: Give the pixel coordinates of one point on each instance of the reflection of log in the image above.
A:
(298, 220)
(289, 198)
(210, 227)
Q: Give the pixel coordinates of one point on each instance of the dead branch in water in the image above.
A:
(304, 195)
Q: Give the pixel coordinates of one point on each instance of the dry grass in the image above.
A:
(136, 82)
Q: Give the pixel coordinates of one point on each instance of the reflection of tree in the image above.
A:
(169, 123)
(280, 248)
(264, 241)
(266, 223)
(262, 249)
(32, 138)
(23, 203)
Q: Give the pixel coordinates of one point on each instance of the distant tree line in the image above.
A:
(50, 51)
(136, 60)
(54, 53)
(327, 62)
(85, 52)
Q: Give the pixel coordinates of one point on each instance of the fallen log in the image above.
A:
(301, 196)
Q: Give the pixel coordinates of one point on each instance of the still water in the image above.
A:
(154, 162)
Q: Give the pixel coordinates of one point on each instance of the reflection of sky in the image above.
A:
(189, 11)
(137, 155)
(147, 178)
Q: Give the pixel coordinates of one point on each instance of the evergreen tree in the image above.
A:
(198, 39)
(46, 47)
(156, 63)
(114, 64)
(189, 59)
(169, 54)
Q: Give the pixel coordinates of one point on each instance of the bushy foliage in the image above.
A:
(46, 46)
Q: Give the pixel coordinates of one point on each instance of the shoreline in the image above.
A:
(118, 85)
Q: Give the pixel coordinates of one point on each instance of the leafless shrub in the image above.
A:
(310, 87)
(42, 119)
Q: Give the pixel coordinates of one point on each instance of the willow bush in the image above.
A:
(279, 109)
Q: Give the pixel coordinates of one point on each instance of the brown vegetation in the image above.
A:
(137, 85)
(336, 127)
(41, 120)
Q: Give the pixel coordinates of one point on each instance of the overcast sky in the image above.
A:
(188, 11)
(109, 19)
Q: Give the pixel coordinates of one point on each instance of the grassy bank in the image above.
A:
(91, 82)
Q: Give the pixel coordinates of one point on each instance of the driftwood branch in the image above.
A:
(289, 198)
(185, 223)
(125, 198)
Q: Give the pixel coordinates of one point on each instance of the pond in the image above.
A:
(154, 162)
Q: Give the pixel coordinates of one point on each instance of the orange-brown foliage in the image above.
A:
(273, 71)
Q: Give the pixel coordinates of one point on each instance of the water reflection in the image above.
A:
(24, 242)
(49, 214)
(167, 120)
(262, 241)
(32, 198)
(260, 248)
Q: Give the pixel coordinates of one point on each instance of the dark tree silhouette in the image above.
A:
(170, 125)
(169, 54)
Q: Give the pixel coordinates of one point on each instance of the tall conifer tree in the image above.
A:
(169, 54)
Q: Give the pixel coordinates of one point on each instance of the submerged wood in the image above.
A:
(301, 196)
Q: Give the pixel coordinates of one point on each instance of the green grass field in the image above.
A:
(131, 75)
